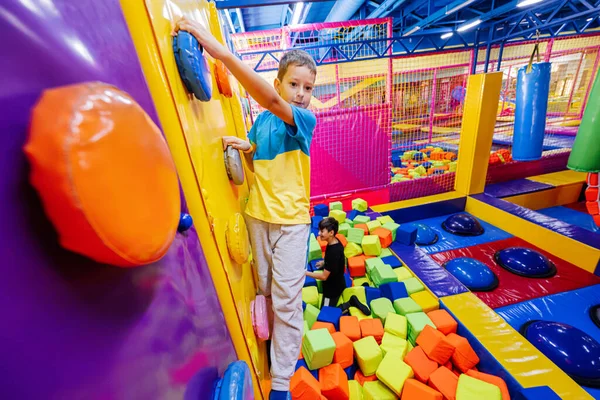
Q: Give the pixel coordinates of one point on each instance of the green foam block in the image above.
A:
(393, 372)
(416, 323)
(383, 274)
(359, 205)
(368, 355)
(402, 274)
(349, 222)
(371, 263)
(381, 307)
(355, 390)
(470, 388)
(310, 295)
(413, 285)
(375, 390)
(361, 219)
(392, 227)
(406, 305)
(385, 219)
(371, 245)
(310, 315)
(385, 253)
(336, 205)
(394, 343)
(318, 348)
(358, 291)
(343, 229)
(396, 324)
(372, 225)
(358, 281)
(355, 235)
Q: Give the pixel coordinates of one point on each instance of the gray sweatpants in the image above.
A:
(280, 256)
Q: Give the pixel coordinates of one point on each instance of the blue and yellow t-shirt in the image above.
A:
(281, 190)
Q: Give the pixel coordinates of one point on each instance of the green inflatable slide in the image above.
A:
(585, 155)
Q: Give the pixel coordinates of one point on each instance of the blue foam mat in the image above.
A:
(571, 308)
(572, 217)
(448, 241)
(428, 210)
(515, 187)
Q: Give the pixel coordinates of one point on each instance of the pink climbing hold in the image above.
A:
(260, 318)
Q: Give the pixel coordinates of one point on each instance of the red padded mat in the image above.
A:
(514, 288)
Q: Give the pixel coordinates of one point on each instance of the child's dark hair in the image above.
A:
(329, 224)
(299, 58)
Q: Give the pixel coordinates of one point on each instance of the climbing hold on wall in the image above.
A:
(192, 65)
(236, 383)
(236, 235)
(463, 225)
(92, 185)
(185, 222)
(525, 262)
(222, 77)
(571, 349)
(472, 273)
(233, 165)
(260, 317)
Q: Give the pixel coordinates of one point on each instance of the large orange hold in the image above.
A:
(104, 174)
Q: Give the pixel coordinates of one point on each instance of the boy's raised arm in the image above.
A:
(256, 86)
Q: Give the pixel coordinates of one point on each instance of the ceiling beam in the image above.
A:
(226, 4)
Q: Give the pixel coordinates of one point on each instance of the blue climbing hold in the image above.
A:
(193, 67)
(571, 349)
(525, 262)
(463, 225)
(185, 222)
(425, 235)
(236, 383)
(472, 273)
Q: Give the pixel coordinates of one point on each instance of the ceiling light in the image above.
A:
(447, 35)
(470, 25)
(526, 3)
(460, 6)
(413, 30)
(297, 13)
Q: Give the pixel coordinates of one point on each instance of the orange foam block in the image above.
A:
(364, 227)
(435, 345)
(334, 382)
(350, 327)
(443, 321)
(304, 386)
(445, 382)
(494, 380)
(422, 366)
(356, 266)
(342, 239)
(320, 325)
(360, 378)
(385, 236)
(372, 327)
(323, 244)
(415, 390)
(344, 351)
(464, 357)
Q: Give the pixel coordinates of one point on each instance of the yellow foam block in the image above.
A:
(368, 354)
(352, 250)
(375, 390)
(393, 372)
(358, 291)
(385, 219)
(372, 225)
(396, 325)
(426, 300)
(339, 215)
(402, 273)
(519, 357)
(355, 390)
(360, 280)
(359, 205)
(355, 312)
(310, 295)
(371, 245)
(470, 388)
(391, 342)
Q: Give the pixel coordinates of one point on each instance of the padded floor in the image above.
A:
(571, 308)
(449, 241)
(514, 288)
(571, 216)
(515, 187)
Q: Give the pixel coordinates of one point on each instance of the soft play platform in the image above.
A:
(448, 241)
(516, 187)
(553, 308)
(571, 216)
(513, 288)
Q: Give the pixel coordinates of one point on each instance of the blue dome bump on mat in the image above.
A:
(571, 349)
(425, 235)
(472, 273)
(525, 262)
(463, 225)
(595, 315)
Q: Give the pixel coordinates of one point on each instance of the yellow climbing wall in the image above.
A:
(193, 130)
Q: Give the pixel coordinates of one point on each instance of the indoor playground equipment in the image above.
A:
(127, 266)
